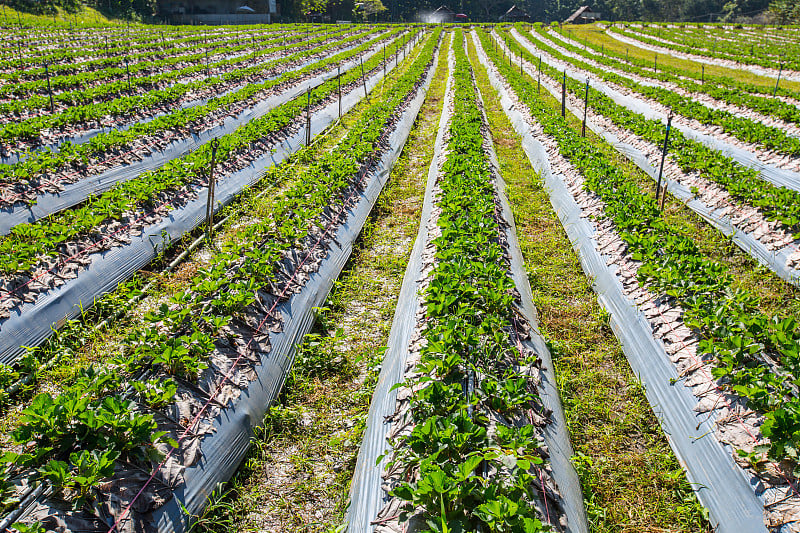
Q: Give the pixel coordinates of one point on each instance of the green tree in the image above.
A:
(364, 9)
(785, 11)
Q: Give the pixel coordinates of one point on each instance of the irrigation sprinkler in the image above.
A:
(128, 73)
(339, 84)
(585, 109)
(211, 190)
(663, 157)
(655, 62)
(564, 94)
(702, 74)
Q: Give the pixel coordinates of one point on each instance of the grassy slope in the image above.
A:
(10, 18)
(298, 473)
(632, 482)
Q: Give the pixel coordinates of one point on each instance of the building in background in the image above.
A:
(583, 15)
(515, 14)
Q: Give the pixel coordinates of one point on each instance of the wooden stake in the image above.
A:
(585, 109)
(775, 91)
(363, 78)
(49, 89)
(308, 118)
(211, 190)
(663, 157)
(539, 76)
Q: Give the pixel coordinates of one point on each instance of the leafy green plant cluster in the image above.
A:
(764, 52)
(136, 43)
(779, 204)
(47, 161)
(99, 85)
(742, 128)
(31, 242)
(144, 52)
(470, 474)
(78, 437)
(733, 329)
(30, 129)
(732, 91)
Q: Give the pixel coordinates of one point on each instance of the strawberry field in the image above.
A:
(400, 277)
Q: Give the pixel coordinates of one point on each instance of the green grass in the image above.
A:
(297, 474)
(86, 16)
(631, 480)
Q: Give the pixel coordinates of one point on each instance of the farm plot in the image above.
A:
(82, 253)
(672, 304)
(476, 435)
(231, 328)
(772, 146)
(775, 55)
(754, 101)
(132, 416)
(762, 217)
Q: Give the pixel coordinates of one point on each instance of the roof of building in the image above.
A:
(515, 12)
(578, 14)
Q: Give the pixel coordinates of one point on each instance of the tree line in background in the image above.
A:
(780, 11)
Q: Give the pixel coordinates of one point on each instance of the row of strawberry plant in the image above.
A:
(80, 58)
(731, 51)
(56, 348)
(735, 333)
(466, 472)
(188, 69)
(105, 418)
(714, 86)
(744, 184)
(744, 129)
(66, 88)
(725, 82)
(75, 159)
(740, 45)
(34, 243)
(30, 129)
